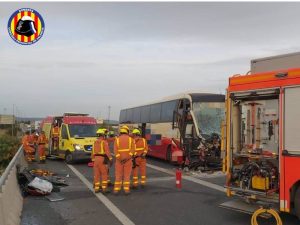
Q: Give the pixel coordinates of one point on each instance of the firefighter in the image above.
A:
(100, 156)
(55, 136)
(139, 159)
(34, 137)
(124, 150)
(108, 165)
(111, 140)
(28, 147)
(42, 140)
(111, 134)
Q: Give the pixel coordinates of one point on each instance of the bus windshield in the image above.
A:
(209, 116)
(83, 130)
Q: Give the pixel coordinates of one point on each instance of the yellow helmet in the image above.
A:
(105, 130)
(136, 131)
(100, 131)
(124, 129)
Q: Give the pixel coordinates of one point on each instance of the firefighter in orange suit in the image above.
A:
(139, 159)
(100, 157)
(28, 147)
(124, 149)
(55, 136)
(109, 146)
(34, 136)
(41, 142)
(108, 165)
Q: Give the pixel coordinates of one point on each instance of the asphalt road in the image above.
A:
(160, 203)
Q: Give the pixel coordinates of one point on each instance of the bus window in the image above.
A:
(123, 116)
(129, 115)
(155, 113)
(167, 111)
(145, 114)
(137, 115)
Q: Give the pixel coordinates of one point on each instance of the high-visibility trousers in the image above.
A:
(108, 176)
(41, 151)
(122, 171)
(100, 173)
(55, 141)
(29, 154)
(140, 168)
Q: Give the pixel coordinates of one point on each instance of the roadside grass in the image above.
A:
(8, 148)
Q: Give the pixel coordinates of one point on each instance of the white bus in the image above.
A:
(180, 128)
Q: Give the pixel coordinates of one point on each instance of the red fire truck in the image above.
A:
(263, 138)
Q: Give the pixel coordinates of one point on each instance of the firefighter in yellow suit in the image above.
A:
(139, 159)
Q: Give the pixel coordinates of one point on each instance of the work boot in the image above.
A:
(143, 186)
(134, 187)
(97, 190)
(127, 193)
(116, 193)
(105, 192)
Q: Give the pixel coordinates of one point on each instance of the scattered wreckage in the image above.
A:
(39, 182)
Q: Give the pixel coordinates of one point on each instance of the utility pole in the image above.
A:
(108, 119)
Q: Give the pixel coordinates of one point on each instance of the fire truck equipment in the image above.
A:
(262, 141)
(260, 175)
(178, 179)
(260, 211)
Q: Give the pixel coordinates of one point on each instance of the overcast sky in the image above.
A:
(123, 54)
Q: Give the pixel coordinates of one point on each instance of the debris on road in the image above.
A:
(43, 186)
(41, 172)
(38, 182)
(54, 197)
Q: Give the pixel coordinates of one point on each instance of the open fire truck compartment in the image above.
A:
(262, 135)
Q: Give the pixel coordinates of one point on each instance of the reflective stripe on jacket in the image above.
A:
(42, 139)
(124, 146)
(101, 147)
(141, 145)
(55, 131)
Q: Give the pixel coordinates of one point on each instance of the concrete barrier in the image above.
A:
(11, 200)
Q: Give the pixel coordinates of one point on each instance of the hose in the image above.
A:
(269, 211)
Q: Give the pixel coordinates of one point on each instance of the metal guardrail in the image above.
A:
(12, 163)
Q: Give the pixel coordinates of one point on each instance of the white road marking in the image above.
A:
(195, 180)
(155, 179)
(114, 209)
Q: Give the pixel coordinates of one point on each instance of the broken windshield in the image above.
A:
(209, 116)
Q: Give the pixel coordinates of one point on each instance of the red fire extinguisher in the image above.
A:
(178, 179)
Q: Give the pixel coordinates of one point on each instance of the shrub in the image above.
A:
(8, 148)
